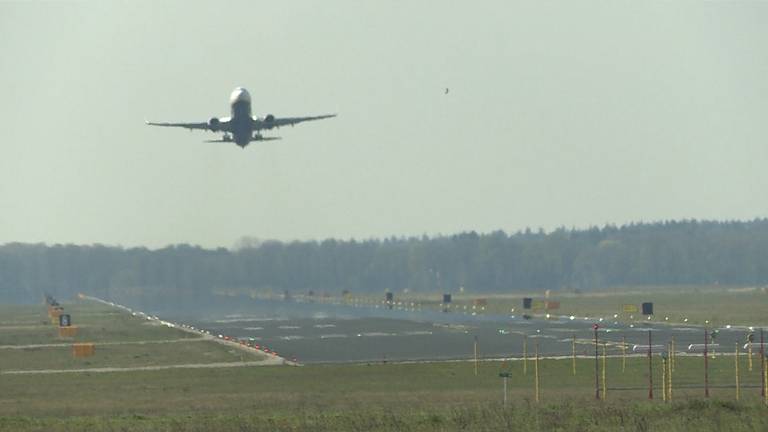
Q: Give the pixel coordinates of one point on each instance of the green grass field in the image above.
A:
(97, 323)
(283, 390)
(441, 396)
(130, 355)
(121, 339)
(430, 396)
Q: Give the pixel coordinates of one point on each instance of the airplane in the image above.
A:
(241, 127)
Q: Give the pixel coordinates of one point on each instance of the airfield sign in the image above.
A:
(629, 308)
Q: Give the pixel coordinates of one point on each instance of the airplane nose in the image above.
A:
(239, 95)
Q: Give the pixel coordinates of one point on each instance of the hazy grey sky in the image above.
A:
(559, 113)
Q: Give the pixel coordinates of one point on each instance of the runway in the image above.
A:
(323, 333)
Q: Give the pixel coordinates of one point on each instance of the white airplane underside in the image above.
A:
(242, 127)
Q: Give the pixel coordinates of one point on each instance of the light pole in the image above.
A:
(597, 366)
(762, 364)
(706, 364)
(650, 366)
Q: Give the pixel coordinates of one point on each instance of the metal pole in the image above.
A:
(605, 356)
(505, 391)
(738, 388)
(525, 354)
(762, 364)
(623, 353)
(650, 366)
(672, 355)
(536, 367)
(664, 379)
(765, 382)
(669, 377)
(706, 364)
(475, 355)
(573, 351)
(597, 373)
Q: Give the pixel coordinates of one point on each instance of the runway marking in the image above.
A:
(66, 345)
(686, 329)
(203, 335)
(230, 321)
(26, 327)
(333, 336)
(267, 362)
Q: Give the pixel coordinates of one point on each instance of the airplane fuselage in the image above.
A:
(241, 123)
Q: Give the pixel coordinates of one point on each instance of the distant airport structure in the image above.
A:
(241, 127)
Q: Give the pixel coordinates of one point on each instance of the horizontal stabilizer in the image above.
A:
(262, 138)
(255, 138)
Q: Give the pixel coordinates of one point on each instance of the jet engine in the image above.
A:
(268, 120)
(213, 124)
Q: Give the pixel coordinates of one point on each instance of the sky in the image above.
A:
(559, 113)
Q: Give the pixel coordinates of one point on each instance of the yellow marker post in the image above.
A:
(765, 378)
(525, 354)
(573, 350)
(605, 386)
(669, 372)
(669, 386)
(623, 353)
(672, 355)
(536, 371)
(738, 385)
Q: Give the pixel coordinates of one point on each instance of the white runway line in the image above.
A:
(68, 345)
(269, 357)
(266, 362)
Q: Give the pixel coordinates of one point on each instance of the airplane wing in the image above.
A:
(256, 138)
(220, 125)
(270, 121)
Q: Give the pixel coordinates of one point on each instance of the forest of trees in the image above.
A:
(665, 253)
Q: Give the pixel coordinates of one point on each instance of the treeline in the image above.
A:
(665, 253)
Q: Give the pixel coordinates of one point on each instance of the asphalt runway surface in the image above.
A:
(325, 333)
